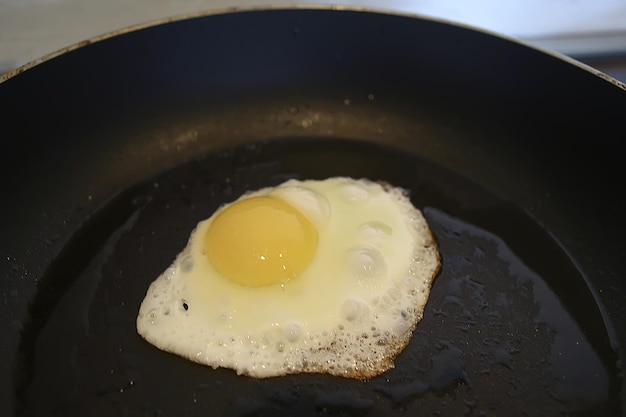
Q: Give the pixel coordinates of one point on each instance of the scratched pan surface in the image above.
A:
(114, 151)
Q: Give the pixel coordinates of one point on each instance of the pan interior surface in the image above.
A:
(511, 326)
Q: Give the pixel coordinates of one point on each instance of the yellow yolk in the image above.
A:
(260, 241)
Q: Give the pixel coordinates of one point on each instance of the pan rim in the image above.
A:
(315, 7)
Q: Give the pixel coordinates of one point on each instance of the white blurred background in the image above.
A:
(593, 31)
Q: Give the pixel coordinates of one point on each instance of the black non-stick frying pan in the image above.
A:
(112, 152)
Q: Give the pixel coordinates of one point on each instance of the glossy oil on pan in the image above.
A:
(113, 151)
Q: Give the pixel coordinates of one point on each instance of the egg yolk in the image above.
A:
(260, 241)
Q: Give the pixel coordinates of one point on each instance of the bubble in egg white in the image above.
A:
(350, 313)
(353, 310)
(186, 264)
(292, 333)
(354, 192)
(374, 231)
(314, 205)
(366, 264)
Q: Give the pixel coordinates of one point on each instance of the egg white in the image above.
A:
(350, 313)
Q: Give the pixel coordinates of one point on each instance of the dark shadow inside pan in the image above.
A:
(511, 328)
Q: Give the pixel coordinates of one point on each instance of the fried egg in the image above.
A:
(311, 276)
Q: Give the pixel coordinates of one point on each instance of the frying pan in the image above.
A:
(113, 150)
